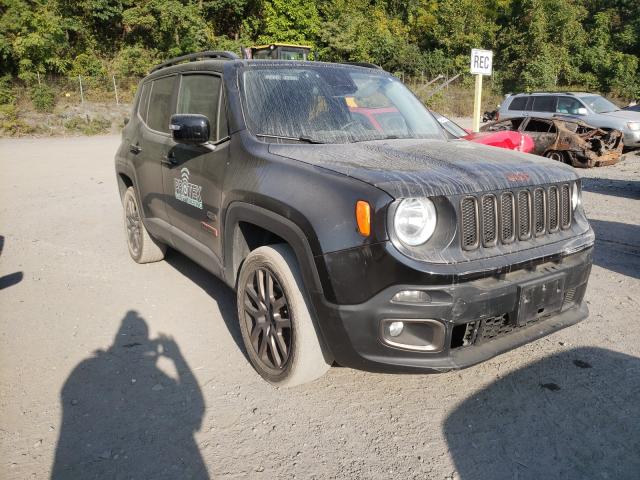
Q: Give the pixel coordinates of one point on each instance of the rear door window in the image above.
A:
(544, 103)
(518, 103)
(161, 104)
(200, 94)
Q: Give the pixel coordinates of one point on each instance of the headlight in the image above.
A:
(633, 125)
(575, 196)
(415, 221)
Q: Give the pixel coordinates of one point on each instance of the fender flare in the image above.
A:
(277, 224)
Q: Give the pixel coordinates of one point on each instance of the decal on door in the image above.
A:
(186, 191)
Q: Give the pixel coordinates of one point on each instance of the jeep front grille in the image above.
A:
(565, 206)
(487, 220)
(469, 212)
(552, 202)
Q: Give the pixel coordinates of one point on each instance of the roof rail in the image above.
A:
(192, 57)
(364, 64)
(547, 92)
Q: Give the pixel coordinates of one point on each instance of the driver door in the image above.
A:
(193, 174)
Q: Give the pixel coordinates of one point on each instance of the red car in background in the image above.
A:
(386, 119)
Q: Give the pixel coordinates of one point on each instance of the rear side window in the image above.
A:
(544, 103)
(160, 107)
(143, 104)
(568, 105)
(518, 103)
(200, 94)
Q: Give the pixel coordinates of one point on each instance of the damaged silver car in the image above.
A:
(566, 140)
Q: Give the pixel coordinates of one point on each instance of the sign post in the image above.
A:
(481, 64)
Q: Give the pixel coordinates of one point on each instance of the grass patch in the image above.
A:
(87, 126)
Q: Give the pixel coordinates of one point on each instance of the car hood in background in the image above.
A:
(407, 168)
(626, 114)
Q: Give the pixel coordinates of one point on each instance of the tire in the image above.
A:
(557, 156)
(142, 247)
(280, 338)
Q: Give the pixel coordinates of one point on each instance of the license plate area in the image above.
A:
(539, 298)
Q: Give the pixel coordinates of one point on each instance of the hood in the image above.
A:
(629, 115)
(408, 168)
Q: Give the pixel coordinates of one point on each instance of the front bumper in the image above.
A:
(353, 332)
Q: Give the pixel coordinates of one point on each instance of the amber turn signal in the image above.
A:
(363, 216)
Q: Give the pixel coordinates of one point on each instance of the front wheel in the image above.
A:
(142, 247)
(275, 321)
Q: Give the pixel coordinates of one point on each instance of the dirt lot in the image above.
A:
(141, 366)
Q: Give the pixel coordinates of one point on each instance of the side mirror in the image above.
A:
(582, 111)
(190, 129)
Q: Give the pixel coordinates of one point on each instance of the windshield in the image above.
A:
(327, 104)
(599, 104)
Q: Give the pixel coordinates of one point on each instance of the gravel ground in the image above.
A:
(135, 372)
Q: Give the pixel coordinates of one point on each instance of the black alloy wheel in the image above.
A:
(268, 321)
(133, 224)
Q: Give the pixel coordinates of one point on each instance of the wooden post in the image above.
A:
(81, 92)
(115, 89)
(477, 102)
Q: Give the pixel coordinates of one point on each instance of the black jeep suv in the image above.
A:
(352, 230)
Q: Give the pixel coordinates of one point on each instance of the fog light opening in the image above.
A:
(395, 328)
(425, 335)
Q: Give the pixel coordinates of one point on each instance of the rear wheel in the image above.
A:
(142, 247)
(275, 322)
(555, 155)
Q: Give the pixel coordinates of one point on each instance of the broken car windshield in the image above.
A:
(332, 105)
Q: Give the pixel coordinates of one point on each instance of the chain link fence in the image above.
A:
(92, 89)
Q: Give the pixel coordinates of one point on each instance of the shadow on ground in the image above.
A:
(617, 247)
(215, 288)
(123, 417)
(617, 188)
(574, 415)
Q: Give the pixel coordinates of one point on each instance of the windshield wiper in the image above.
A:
(382, 137)
(301, 138)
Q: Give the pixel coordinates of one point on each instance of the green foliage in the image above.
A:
(42, 97)
(538, 44)
(7, 91)
(10, 124)
(134, 61)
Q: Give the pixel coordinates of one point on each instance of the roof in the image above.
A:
(575, 94)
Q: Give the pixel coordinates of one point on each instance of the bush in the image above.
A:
(87, 126)
(7, 92)
(10, 124)
(134, 61)
(43, 98)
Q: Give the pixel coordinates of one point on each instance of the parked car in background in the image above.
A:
(633, 108)
(566, 139)
(509, 139)
(590, 108)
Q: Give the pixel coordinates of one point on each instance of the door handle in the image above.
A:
(135, 149)
(170, 160)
